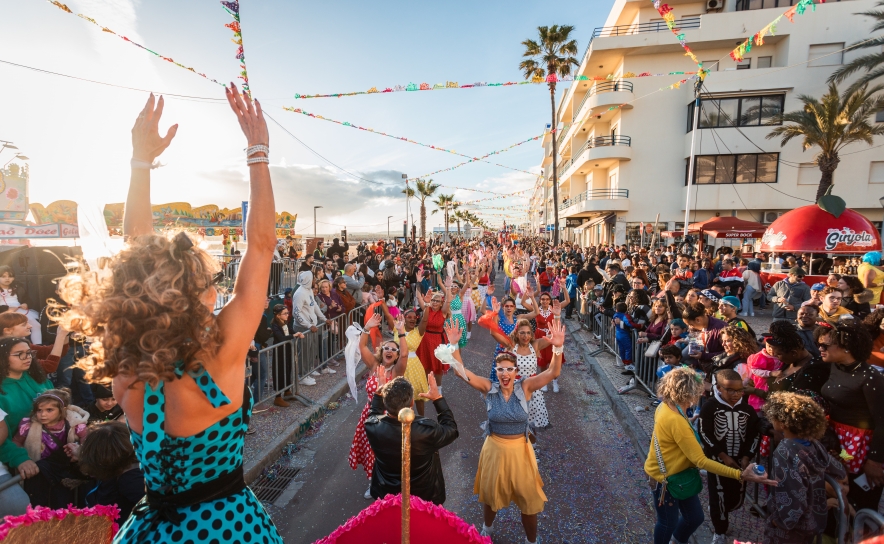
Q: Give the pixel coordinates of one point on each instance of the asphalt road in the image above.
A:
(593, 479)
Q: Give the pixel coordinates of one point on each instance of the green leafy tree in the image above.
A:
(873, 63)
(444, 203)
(552, 54)
(831, 123)
(423, 190)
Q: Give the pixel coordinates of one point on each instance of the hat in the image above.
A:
(731, 301)
(287, 290)
(100, 391)
(798, 271)
(599, 286)
(711, 295)
(818, 286)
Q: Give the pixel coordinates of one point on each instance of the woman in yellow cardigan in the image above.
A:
(676, 455)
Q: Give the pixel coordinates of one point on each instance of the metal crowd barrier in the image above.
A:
(867, 518)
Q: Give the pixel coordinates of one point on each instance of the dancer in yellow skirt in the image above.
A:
(414, 372)
(507, 465)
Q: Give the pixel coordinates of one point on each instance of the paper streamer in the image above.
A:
(499, 197)
(449, 85)
(437, 148)
(66, 9)
(485, 156)
(233, 9)
(665, 11)
(757, 39)
(445, 354)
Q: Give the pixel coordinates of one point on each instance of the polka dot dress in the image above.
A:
(174, 465)
(360, 450)
(856, 442)
(457, 315)
(507, 328)
(527, 365)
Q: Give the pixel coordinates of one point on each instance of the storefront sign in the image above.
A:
(52, 230)
(773, 239)
(571, 223)
(846, 238)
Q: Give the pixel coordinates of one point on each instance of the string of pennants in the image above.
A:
(498, 197)
(233, 9)
(448, 85)
(437, 148)
(757, 39)
(103, 28)
(485, 156)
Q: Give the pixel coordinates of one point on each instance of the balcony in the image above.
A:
(629, 30)
(606, 93)
(596, 200)
(601, 149)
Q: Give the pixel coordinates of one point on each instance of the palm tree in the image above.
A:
(873, 64)
(423, 190)
(830, 124)
(460, 215)
(551, 58)
(444, 203)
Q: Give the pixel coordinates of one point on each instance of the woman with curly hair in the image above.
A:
(675, 456)
(177, 368)
(797, 506)
(802, 372)
(738, 346)
(856, 406)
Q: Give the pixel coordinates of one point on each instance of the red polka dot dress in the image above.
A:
(360, 450)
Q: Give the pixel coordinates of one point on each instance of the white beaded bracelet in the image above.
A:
(257, 160)
(259, 148)
(143, 165)
(558, 350)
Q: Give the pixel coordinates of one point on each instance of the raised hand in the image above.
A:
(250, 116)
(495, 306)
(380, 373)
(449, 281)
(373, 322)
(419, 276)
(433, 393)
(557, 333)
(147, 144)
(452, 331)
(556, 308)
(400, 324)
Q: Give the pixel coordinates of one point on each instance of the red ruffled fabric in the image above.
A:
(41, 513)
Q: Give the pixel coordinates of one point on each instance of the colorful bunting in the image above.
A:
(437, 148)
(448, 85)
(498, 197)
(757, 39)
(504, 150)
(233, 9)
(665, 11)
(66, 9)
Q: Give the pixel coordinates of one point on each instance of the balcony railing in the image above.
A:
(603, 87)
(595, 194)
(598, 141)
(626, 30)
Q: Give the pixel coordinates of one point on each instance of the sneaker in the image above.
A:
(656, 403)
(628, 370)
(555, 386)
(315, 373)
(543, 389)
(469, 335)
(487, 531)
(367, 493)
(251, 430)
(281, 402)
(307, 381)
(328, 370)
(719, 539)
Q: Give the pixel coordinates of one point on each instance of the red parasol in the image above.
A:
(810, 229)
(723, 227)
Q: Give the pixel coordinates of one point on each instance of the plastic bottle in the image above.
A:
(758, 469)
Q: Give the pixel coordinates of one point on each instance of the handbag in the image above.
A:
(681, 486)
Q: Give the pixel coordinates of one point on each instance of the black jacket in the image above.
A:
(427, 438)
(264, 332)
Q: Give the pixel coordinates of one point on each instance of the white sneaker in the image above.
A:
(555, 386)
(315, 373)
(469, 335)
(543, 389)
(328, 370)
(367, 493)
(307, 380)
(487, 531)
(719, 539)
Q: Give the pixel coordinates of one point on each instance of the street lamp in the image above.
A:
(388, 226)
(18, 156)
(314, 220)
(881, 200)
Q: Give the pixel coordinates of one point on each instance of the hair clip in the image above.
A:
(825, 324)
(182, 241)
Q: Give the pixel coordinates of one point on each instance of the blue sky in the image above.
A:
(77, 134)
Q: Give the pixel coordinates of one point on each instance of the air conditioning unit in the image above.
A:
(714, 5)
(770, 217)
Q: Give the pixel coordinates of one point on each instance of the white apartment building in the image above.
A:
(621, 167)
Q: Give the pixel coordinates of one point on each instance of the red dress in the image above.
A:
(434, 337)
(360, 450)
(542, 331)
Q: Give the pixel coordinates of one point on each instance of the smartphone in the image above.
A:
(863, 482)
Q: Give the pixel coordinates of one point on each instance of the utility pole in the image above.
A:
(314, 220)
(388, 226)
(687, 205)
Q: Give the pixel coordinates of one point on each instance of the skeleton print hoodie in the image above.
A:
(728, 429)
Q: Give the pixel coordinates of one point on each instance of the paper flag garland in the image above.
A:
(665, 11)
(499, 197)
(66, 9)
(233, 9)
(448, 85)
(485, 156)
(437, 148)
(757, 39)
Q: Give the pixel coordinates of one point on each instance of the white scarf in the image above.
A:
(353, 334)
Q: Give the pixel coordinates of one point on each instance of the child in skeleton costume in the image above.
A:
(729, 429)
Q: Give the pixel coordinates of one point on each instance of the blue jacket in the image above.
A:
(571, 285)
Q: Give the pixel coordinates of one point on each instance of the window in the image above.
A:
(764, 62)
(745, 5)
(876, 172)
(879, 117)
(710, 65)
(745, 64)
(747, 111)
(744, 168)
(826, 54)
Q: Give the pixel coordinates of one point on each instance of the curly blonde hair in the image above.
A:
(681, 385)
(799, 414)
(743, 341)
(147, 313)
(520, 323)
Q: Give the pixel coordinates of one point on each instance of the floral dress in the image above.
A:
(174, 465)
(527, 365)
(414, 372)
(457, 315)
(360, 450)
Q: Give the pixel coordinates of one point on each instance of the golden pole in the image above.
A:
(406, 416)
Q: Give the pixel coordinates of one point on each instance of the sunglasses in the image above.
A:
(390, 348)
(217, 278)
(823, 346)
(24, 355)
(733, 391)
(504, 369)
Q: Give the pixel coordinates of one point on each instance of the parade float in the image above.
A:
(826, 228)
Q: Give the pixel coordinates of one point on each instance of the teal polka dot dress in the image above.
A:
(172, 466)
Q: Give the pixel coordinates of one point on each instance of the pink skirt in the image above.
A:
(469, 311)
